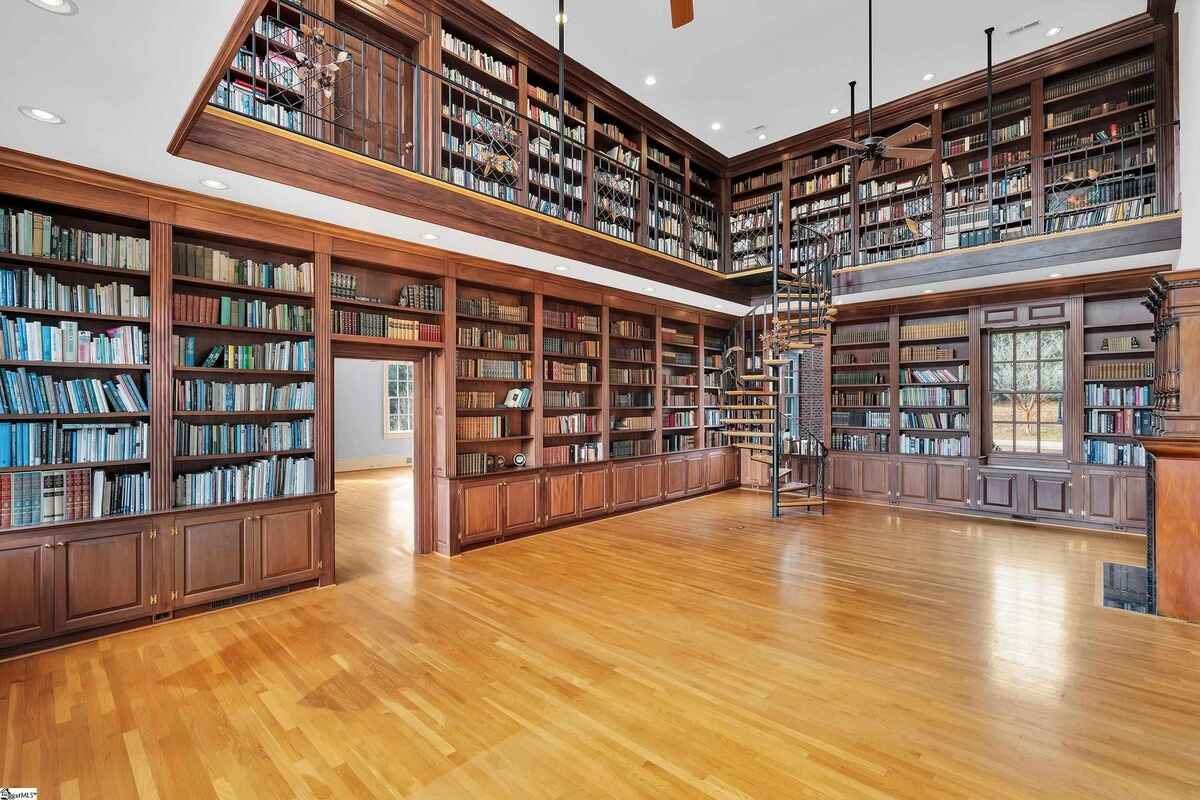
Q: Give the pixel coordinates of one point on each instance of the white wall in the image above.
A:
(1189, 131)
(358, 440)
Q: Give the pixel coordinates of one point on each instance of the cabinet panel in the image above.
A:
(212, 557)
(733, 467)
(26, 592)
(479, 516)
(876, 482)
(1133, 501)
(102, 577)
(695, 474)
(1100, 497)
(677, 477)
(521, 508)
(593, 491)
(845, 475)
(715, 469)
(950, 483)
(625, 485)
(912, 481)
(998, 491)
(650, 488)
(562, 496)
(289, 546)
(1049, 495)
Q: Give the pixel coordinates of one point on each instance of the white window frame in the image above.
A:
(387, 398)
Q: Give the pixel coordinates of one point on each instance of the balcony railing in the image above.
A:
(313, 77)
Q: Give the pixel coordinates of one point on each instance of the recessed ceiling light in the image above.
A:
(561, 19)
(64, 7)
(41, 115)
(429, 237)
(716, 126)
(928, 76)
(649, 289)
(833, 110)
(927, 291)
(1055, 31)
(213, 183)
(1055, 274)
(718, 306)
(651, 80)
(762, 136)
(562, 268)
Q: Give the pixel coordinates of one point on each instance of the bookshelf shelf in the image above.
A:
(258, 373)
(18, 311)
(386, 341)
(1116, 112)
(222, 457)
(100, 417)
(133, 462)
(74, 365)
(60, 265)
(385, 307)
(206, 326)
(237, 288)
(299, 412)
(493, 321)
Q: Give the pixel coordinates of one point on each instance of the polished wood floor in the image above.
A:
(698, 650)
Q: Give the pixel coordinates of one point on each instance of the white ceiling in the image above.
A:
(785, 63)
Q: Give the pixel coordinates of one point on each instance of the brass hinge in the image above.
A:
(320, 565)
(319, 510)
(153, 599)
(153, 534)
(174, 594)
(174, 531)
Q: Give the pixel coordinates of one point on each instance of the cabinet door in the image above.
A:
(522, 512)
(26, 590)
(695, 474)
(733, 467)
(213, 552)
(102, 577)
(289, 542)
(676, 476)
(625, 485)
(479, 515)
(1133, 501)
(998, 491)
(950, 483)
(562, 496)
(912, 481)
(1050, 495)
(1100, 497)
(593, 491)
(715, 469)
(875, 478)
(650, 488)
(845, 475)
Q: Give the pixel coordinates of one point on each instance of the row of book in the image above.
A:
(968, 193)
(285, 355)
(629, 448)
(858, 376)
(759, 181)
(241, 313)
(24, 392)
(1119, 370)
(51, 496)
(242, 438)
(245, 98)
(861, 419)
(822, 182)
(999, 107)
(582, 371)
(559, 346)
(1097, 394)
(476, 428)
(575, 320)
(549, 119)
(957, 374)
(499, 130)
(494, 369)
(860, 442)
(571, 423)
(1105, 191)
(481, 59)
(1104, 215)
(1136, 129)
(861, 398)
(1092, 167)
(553, 209)
(926, 352)
(1113, 454)
(900, 211)
(1135, 95)
(1099, 77)
(632, 423)
(33, 444)
(929, 420)
(492, 309)
(28, 288)
(678, 442)
(567, 398)
(952, 446)
(32, 233)
(382, 326)
(861, 336)
(26, 340)
(874, 188)
(1005, 160)
(677, 398)
(1126, 421)
(630, 329)
(933, 397)
(634, 399)
(678, 419)
(638, 376)
(457, 76)
(483, 153)
(260, 479)
(934, 330)
(550, 98)
(811, 207)
(582, 453)
(1000, 135)
(199, 261)
(203, 395)
(494, 339)
(473, 400)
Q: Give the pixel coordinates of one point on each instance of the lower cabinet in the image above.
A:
(997, 490)
(1099, 493)
(676, 468)
(522, 509)
(562, 496)
(624, 485)
(875, 479)
(715, 470)
(650, 482)
(593, 491)
(289, 545)
(489, 509)
(1112, 496)
(912, 481)
(1133, 501)
(950, 483)
(733, 467)
(695, 474)
(26, 588)
(104, 576)
(1049, 495)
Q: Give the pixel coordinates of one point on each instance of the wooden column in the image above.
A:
(323, 378)
(161, 389)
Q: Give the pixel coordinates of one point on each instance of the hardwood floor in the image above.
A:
(699, 649)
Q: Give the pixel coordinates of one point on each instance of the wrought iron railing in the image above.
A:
(322, 80)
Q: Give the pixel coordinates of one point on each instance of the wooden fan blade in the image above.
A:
(681, 13)
(912, 226)
(917, 154)
(909, 134)
(849, 144)
(866, 168)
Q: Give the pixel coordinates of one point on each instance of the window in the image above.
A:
(1027, 391)
(397, 398)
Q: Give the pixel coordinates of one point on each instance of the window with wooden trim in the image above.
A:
(397, 398)
(1026, 388)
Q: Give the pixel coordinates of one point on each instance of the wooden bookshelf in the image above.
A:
(573, 378)
(618, 196)
(933, 396)
(666, 216)
(862, 398)
(820, 188)
(680, 346)
(387, 308)
(1116, 336)
(633, 381)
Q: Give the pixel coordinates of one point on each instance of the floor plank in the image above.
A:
(700, 649)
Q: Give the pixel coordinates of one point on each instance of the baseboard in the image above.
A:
(371, 462)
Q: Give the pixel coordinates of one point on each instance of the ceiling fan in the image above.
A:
(873, 149)
(682, 13)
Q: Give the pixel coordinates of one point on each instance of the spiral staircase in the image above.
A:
(773, 392)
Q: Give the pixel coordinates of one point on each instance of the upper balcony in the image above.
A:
(477, 143)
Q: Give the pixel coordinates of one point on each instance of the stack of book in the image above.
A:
(27, 288)
(25, 340)
(287, 355)
(202, 395)
(261, 479)
(32, 444)
(24, 392)
(52, 496)
(198, 261)
(236, 439)
(31, 233)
